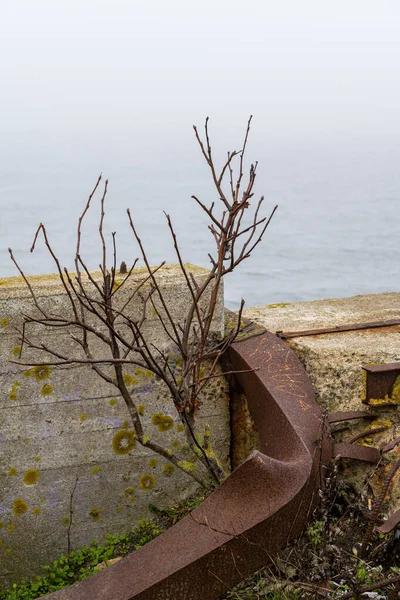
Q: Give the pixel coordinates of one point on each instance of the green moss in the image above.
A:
(168, 470)
(112, 402)
(178, 361)
(65, 521)
(163, 422)
(31, 476)
(147, 482)
(95, 514)
(124, 441)
(46, 390)
(20, 507)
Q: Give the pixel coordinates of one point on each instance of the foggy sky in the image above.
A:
(303, 67)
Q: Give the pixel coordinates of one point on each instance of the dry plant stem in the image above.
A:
(91, 298)
(377, 507)
(71, 513)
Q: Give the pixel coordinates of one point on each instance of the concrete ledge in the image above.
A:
(57, 427)
(333, 362)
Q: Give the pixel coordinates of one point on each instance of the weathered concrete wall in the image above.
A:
(58, 424)
(333, 362)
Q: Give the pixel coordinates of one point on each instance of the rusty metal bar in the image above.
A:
(284, 335)
(263, 504)
(338, 417)
(357, 452)
(391, 523)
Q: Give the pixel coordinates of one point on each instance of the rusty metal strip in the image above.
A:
(391, 523)
(390, 446)
(367, 433)
(355, 451)
(338, 417)
(264, 503)
(284, 335)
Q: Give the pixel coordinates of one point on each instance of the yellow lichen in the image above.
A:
(4, 322)
(163, 422)
(124, 441)
(129, 380)
(31, 476)
(1, 524)
(12, 471)
(41, 372)
(10, 528)
(95, 513)
(125, 424)
(13, 391)
(168, 470)
(141, 409)
(20, 507)
(83, 417)
(395, 393)
(95, 469)
(139, 372)
(16, 350)
(147, 482)
(178, 361)
(37, 459)
(65, 521)
(278, 305)
(153, 462)
(36, 511)
(148, 374)
(180, 427)
(112, 402)
(187, 466)
(129, 494)
(176, 444)
(46, 390)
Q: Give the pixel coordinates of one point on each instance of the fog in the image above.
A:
(90, 86)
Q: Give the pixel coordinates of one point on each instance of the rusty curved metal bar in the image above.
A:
(264, 503)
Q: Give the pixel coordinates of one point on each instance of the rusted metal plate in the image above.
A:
(357, 452)
(264, 503)
(380, 380)
(391, 523)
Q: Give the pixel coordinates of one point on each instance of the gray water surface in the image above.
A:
(336, 231)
